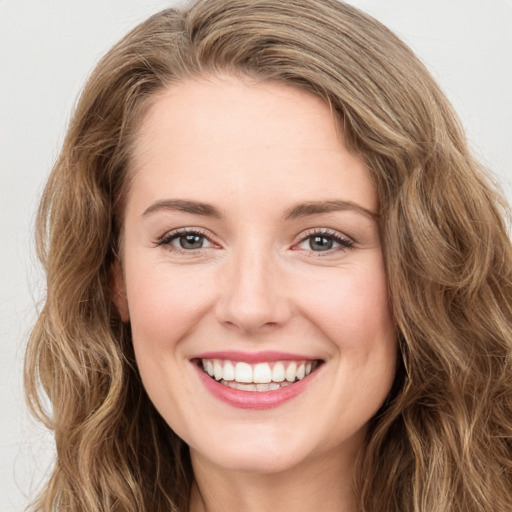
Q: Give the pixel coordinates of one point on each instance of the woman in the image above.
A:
(276, 277)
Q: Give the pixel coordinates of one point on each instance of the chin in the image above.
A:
(253, 459)
(262, 449)
(251, 449)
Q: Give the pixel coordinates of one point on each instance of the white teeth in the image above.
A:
(291, 372)
(218, 371)
(278, 372)
(257, 377)
(262, 373)
(270, 386)
(229, 371)
(243, 372)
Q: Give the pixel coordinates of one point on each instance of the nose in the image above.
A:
(253, 294)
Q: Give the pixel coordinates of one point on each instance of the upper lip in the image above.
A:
(254, 357)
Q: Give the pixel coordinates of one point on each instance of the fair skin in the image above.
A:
(250, 244)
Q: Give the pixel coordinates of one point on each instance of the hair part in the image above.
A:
(442, 442)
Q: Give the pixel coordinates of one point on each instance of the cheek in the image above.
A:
(166, 303)
(351, 305)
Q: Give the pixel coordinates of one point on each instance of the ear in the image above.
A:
(118, 290)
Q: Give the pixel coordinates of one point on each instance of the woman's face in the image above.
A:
(253, 276)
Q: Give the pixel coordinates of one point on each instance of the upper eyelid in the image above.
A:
(186, 229)
(323, 231)
(169, 235)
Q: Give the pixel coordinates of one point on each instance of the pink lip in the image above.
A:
(253, 357)
(254, 399)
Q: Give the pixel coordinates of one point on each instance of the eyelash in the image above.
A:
(344, 242)
(168, 238)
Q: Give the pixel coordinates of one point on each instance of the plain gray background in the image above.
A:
(47, 49)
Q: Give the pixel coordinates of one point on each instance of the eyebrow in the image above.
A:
(317, 207)
(184, 205)
(295, 212)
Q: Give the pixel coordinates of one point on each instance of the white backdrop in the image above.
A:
(48, 47)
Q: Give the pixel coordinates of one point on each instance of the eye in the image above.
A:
(324, 241)
(189, 241)
(186, 240)
(320, 243)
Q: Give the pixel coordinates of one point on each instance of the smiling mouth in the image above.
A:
(265, 376)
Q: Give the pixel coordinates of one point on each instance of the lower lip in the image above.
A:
(255, 399)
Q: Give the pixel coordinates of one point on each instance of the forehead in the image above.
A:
(224, 136)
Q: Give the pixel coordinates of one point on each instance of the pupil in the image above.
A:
(191, 241)
(320, 243)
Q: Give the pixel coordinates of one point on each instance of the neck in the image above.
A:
(325, 485)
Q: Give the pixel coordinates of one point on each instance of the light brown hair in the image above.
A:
(443, 440)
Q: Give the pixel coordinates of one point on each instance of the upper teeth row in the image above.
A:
(260, 373)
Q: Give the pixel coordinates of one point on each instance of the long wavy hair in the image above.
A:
(442, 442)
